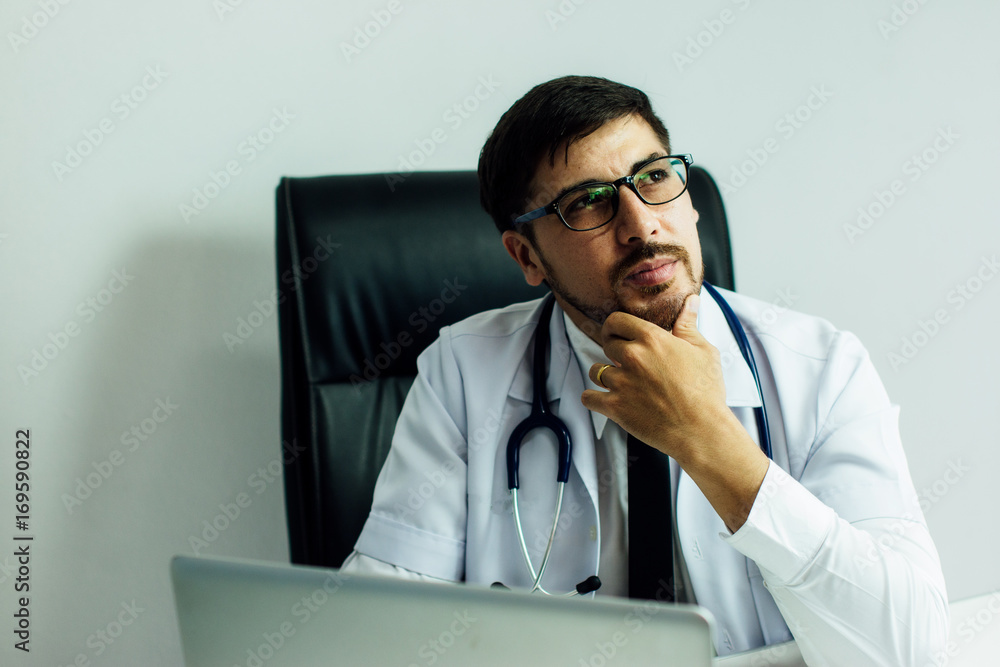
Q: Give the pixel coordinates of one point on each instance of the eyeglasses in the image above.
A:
(656, 181)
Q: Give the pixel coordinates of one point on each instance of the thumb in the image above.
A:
(686, 326)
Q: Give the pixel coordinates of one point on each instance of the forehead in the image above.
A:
(603, 155)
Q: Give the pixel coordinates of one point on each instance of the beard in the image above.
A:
(663, 312)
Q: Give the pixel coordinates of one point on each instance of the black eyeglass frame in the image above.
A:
(553, 206)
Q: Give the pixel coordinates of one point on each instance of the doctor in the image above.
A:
(824, 542)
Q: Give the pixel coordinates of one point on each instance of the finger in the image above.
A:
(599, 374)
(686, 326)
(620, 331)
(623, 326)
(597, 401)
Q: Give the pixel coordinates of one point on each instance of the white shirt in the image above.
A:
(612, 485)
(835, 548)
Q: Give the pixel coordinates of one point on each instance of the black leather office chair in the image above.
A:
(367, 275)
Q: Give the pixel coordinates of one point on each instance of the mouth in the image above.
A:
(652, 272)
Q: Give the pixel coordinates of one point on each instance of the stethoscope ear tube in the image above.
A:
(540, 416)
(548, 421)
(763, 432)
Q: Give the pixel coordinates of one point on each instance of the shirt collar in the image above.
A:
(741, 390)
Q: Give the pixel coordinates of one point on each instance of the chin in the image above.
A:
(664, 310)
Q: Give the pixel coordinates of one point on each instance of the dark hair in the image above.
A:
(551, 115)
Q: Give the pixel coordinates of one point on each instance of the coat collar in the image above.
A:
(741, 390)
(560, 356)
(569, 343)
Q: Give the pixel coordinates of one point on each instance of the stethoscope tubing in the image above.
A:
(540, 417)
(763, 430)
(537, 578)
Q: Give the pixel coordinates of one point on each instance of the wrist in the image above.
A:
(729, 468)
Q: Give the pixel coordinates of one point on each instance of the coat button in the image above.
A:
(593, 533)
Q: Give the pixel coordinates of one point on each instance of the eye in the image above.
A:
(579, 201)
(652, 177)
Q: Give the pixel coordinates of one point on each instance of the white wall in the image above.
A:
(63, 237)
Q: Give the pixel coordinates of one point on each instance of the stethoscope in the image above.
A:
(541, 417)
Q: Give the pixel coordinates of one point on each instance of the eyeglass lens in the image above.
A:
(591, 206)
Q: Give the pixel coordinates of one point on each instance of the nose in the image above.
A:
(635, 221)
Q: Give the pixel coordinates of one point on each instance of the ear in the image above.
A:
(524, 254)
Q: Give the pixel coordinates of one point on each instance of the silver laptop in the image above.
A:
(252, 614)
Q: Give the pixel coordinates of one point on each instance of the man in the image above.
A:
(825, 541)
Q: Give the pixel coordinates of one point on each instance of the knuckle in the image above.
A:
(630, 354)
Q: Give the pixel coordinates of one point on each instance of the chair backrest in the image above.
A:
(368, 271)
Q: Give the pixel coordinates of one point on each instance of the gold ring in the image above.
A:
(600, 373)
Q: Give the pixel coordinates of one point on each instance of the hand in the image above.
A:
(667, 389)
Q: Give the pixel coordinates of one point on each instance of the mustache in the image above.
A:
(645, 252)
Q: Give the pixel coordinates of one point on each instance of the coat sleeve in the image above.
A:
(844, 549)
(357, 563)
(418, 516)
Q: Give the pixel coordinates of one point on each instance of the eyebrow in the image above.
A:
(591, 181)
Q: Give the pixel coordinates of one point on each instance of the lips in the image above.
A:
(652, 272)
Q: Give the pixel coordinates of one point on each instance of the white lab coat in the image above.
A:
(442, 506)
